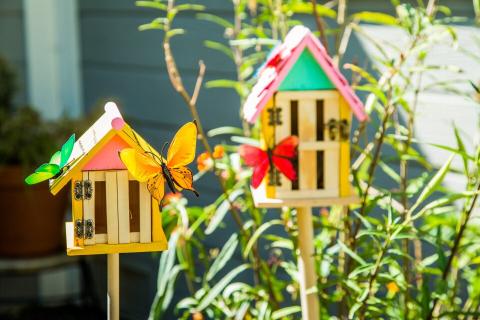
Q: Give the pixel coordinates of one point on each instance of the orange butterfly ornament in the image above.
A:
(155, 170)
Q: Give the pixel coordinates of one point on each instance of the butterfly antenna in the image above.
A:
(164, 147)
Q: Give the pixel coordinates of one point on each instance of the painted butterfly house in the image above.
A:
(111, 211)
(301, 93)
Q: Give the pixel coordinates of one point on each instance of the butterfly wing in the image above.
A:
(287, 147)
(156, 186)
(66, 151)
(259, 172)
(42, 173)
(285, 166)
(183, 179)
(182, 148)
(256, 158)
(141, 166)
(56, 158)
(251, 155)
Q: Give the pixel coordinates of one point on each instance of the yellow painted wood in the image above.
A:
(268, 135)
(157, 230)
(123, 207)
(146, 213)
(282, 131)
(77, 208)
(73, 250)
(344, 167)
(112, 206)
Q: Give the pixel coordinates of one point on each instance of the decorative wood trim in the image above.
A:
(157, 231)
(112, 206)
(101, 238)
(310, 200)
(332, 157)
(307, 133)
(318, 145)
(307, 95)
(146, 213)
(344, 168)
(134, 237)
(123, 207)
(268, 133)
(77, 208)
(89, 205)
(282, 131)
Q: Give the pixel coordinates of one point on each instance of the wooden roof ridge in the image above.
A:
(281, 61)
(106, 127)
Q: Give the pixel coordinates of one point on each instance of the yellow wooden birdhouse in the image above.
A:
(301, 92)
(111, 211)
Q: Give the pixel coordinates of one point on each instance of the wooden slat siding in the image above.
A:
(134, 237)
(123, 207)
(77, 207)
(89, 205)
(282, 131)
(112, 207)
(146, 213)
(307, 132)
(101, 238)
(268, 134)
(345, 188)
(332, 155)
(157, 230)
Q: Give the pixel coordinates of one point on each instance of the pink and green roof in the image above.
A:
(299, 63)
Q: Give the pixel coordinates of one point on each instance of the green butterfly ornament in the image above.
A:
(55, 167)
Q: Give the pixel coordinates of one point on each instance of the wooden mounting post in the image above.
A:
(306, 265)
(113, 297)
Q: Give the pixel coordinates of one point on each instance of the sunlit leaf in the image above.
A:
(56, 158)
(151, 4)
(284, 312)
(254, 238)
(225, 130)
(38, 177)
(216, 290)
(215, 19)
(223, 257)
(66, 151)
(374, 17)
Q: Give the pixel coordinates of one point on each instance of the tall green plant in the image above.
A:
(406, 251)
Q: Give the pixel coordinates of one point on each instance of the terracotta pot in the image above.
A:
(31, 218)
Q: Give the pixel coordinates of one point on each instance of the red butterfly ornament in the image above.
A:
(281, 156)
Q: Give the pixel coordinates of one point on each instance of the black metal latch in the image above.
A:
(84, 229)
(274, 116)
(338, 128)
(83, 190)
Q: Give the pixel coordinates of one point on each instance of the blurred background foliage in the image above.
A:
(408, 250)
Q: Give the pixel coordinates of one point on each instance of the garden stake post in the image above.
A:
(301, 93)
(306, 265)
(112, 213)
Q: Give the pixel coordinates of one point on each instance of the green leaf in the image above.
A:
(151, 4)
(226, 83)
(66, 151)
(280, 313)
(374, 17)
(174, 32)
(307, 8)
(55, 159)
(225, 254)
(215, 19)
(219, 47)
(461, 149)
(48, 168)
(257, 234)
(215, 291)
(221, 210)
(434, 183)
(189, 7)
(225, 130)
(151, 26)
(38, 177)
(352, 254)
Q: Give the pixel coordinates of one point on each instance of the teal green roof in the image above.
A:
(306, 74)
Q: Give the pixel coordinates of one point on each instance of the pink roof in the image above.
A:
(280, 62)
